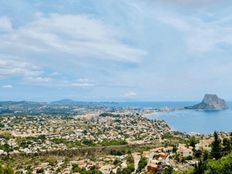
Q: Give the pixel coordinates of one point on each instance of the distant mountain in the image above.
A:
(65, 107)
(15, 104)
(210, 102)
(64, 102)
(69, 102)
(35, 108)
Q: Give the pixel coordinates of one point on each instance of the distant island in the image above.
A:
(210, 102)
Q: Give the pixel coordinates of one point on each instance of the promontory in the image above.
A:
(210, 102)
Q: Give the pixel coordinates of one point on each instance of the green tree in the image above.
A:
(142, 164)
(197, 153)
(130, 159)
(221, 166)
(128, 170)
(6, 147)
(174, 149)
(92, 170)
(6, 170)
(130, 165)
(1, 125)
(216, 147)
(168, 170)
(193, 141)
(226, 146)
(205, 155)
(6, 135)
(76, 168)
(88, 142)
(199, 168)
(1, 169)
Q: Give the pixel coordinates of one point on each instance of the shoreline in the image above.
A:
(204, 121)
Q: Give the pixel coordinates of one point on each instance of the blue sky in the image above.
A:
(108, 50)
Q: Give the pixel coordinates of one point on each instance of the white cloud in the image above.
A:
(83, 83)
(39, 79)
(5, 24)
(201, 36)
(76, 35)
(130, 94)
(190, 1)
(7, 86)
(198, 4)
(14, 67)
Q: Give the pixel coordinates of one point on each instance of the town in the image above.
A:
(121, 141)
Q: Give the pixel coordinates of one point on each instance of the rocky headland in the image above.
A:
(210, 102)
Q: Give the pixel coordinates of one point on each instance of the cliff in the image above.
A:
(210, 102)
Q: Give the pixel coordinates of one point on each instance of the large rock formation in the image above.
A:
(210, 102)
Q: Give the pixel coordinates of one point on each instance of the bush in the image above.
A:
(6, 135)
(117, 152)
(142, 164)
(88, 142)
(92, 170)
(6, 148)
(113, 142)
(6, 170)
(130, 159)
(223, 165)
(199, 168)
(197, 153)
(128, 170)
(168, 170)
(189, 158)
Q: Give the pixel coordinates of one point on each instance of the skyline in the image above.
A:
(115, 51)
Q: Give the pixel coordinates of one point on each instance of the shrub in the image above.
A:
(142, 164)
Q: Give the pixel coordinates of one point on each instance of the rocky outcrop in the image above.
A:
(210, 102)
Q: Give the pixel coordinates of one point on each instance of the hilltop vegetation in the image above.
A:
(6, 170)
(218, 161)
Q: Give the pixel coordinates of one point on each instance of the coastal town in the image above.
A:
(115, 87)
(121, 141)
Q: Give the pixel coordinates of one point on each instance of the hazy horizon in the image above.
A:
(109, 101)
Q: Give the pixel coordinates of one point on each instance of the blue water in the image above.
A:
(192, 121)
(189, 121)
(197, 121)
(149, 104)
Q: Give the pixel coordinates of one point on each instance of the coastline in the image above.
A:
(195, 122)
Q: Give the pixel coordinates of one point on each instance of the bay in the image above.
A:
(189, 121)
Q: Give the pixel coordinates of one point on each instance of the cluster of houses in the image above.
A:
(160, 158)
(157, 160)
(131, 129)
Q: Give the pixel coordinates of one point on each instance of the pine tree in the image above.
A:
(216, 147)
(226, 146)
(199, 168)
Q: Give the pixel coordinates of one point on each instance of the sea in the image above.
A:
(189, 121)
